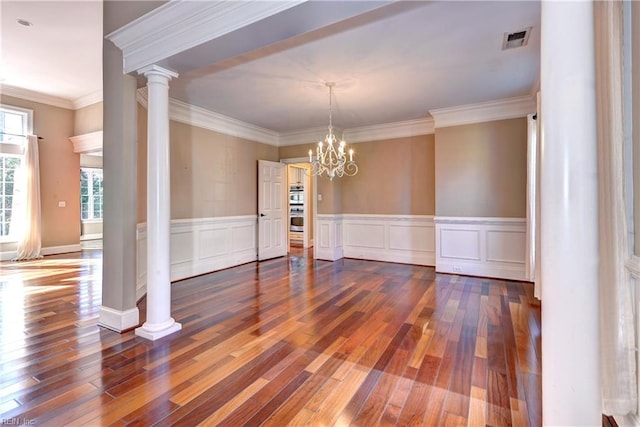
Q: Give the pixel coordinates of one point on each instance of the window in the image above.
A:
(8, 166)
(15, 123)
(90, 194)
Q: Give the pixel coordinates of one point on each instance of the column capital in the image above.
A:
(154, 69)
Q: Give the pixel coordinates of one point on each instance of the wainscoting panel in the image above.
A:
(408, 239)
(329, 240)
(460, 244)
(491, 247)
(200, 246)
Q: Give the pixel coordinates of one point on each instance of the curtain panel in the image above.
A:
(29, 237)
(617, 325)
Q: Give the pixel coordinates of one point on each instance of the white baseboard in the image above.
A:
(203, 245)
(51, 250)
(408, 239)
(95, 236)
(491, 247)
(55, 250)
(117, 320)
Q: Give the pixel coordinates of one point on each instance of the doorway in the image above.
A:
(300, 205)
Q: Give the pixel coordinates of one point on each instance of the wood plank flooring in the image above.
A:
(290, 341)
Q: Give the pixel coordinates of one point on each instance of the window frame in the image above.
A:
(90, 208)
(11, 149)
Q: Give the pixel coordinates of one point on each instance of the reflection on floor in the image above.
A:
(289, 341)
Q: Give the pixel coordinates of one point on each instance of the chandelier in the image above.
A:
(330, 154)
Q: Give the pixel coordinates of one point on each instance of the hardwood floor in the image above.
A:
(290, 341)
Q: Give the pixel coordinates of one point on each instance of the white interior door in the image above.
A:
(272, 216)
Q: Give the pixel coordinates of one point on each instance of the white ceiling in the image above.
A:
(393, 66)
(60, 55)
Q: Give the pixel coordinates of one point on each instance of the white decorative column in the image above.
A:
(569, 217)
(159, 321)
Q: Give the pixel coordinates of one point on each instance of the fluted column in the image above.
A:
(569, 217)
(159, 322)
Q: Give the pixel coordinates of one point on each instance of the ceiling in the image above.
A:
(60, 55)
(392, 65)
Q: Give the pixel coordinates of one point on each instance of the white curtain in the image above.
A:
(29, 231)
(618, 359)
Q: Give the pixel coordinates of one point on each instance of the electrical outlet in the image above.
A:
(457, 269)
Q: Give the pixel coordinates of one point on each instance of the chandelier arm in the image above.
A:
(331, 159)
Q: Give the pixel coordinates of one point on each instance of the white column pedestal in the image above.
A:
(159, 321)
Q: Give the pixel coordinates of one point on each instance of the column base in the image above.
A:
(152, 332)
(118, 320)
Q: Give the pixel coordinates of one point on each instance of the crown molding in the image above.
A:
(30, 95)
(190, 114)
(196, 116)
(501, 109)
(88, 99)
(180, 25)
(87, 143)
(402, 129)
(305, 136)
(466, 114)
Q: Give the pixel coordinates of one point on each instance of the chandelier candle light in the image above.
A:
(330, 160)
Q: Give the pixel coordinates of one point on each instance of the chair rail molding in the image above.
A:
(481, 246)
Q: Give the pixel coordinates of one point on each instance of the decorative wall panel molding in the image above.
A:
(492, 247)
(328, 237)
(408, 239)
(200, 246)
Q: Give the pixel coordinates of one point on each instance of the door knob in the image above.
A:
(261, 215)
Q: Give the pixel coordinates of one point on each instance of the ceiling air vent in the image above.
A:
(516, 39)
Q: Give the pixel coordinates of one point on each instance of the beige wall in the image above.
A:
(141, 196)
(395, 177)
(88, 119)
(481, 169)
(59, 173)
(212, 174)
